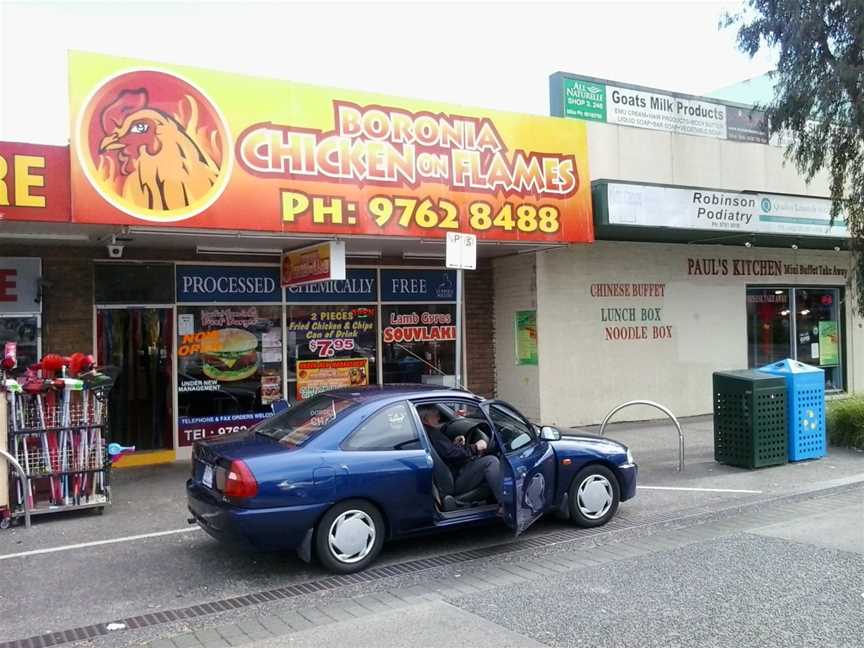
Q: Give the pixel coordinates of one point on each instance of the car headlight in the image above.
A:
(630, 459)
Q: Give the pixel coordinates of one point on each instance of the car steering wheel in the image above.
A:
(478, 434)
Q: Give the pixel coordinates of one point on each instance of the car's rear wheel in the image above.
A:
(349, 536)
(594, 496)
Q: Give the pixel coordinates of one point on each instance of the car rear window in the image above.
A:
(306, 419)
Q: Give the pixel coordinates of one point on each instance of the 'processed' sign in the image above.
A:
(160, 145)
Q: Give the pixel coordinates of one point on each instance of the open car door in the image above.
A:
(530, 460)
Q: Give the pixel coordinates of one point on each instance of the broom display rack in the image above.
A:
(58, 435)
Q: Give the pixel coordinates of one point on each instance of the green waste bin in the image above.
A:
(750, 429)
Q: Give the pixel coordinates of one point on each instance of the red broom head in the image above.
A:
(53, 362)
(79, 363)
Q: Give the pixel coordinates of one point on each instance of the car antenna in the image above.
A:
(427, 363)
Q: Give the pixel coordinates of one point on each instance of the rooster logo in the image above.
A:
(156, 147)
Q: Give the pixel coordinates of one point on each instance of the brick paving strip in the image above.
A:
(657, 533)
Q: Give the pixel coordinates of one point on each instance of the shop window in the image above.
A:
(229, 361)
(817, 332)
(769, 325)
(392, 428)
(419, 343)
(799, 323)
(330, 347)
(24, 331)
(134, 283)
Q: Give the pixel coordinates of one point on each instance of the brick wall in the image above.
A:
(67, 295)
(67, 305)
(480, 331)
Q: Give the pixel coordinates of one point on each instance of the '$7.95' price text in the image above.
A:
(409, 212)
(327, 348)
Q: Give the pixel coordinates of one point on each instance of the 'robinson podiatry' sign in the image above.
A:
(638, 205)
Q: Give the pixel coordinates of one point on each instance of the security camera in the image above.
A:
(115, 251)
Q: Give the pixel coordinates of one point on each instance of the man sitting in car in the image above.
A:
(467, 461)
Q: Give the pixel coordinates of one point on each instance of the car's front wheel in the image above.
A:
(594, 496)
(349, 536)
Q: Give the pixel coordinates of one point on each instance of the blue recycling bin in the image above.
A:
(805, 402)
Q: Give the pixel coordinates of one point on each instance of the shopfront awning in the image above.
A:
(231, 245)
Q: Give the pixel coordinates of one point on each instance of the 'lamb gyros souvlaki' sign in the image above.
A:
(158, 145)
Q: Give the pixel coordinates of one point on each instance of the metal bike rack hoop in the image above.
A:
(660, 407)
(25, 480)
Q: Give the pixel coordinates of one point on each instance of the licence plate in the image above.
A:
(208, 476)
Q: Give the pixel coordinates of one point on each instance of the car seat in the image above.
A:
(445, 484)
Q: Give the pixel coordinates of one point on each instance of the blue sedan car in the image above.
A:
(340, 473)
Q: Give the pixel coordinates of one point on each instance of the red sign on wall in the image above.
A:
(34, 182)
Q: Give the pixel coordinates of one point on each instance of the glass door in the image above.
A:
(137, 343)
(769, 325)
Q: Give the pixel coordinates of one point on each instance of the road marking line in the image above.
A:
(96, 543)
(700, 490)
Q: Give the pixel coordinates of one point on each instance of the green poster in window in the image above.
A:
(526, 337)
(829, 344)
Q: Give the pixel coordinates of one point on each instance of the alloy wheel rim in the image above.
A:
(351, 536)
(594, 497)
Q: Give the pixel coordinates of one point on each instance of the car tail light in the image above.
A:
(240, 483)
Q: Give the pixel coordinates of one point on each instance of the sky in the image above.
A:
(490, 54)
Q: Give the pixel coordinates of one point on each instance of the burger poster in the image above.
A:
(316, 376)
(229, 366)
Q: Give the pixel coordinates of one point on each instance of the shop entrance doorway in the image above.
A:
(138, 342)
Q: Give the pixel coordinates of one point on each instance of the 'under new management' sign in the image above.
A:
(705, 209)
(613, 103)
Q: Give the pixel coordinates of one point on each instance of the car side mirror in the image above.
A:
(549, 433)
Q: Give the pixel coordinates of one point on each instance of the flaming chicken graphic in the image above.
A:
(155, 160)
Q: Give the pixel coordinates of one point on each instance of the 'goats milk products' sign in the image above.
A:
(164, 145)
(597, 100)
(706, 209)
(34, 182)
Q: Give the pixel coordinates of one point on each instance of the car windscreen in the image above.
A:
(306, 419)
